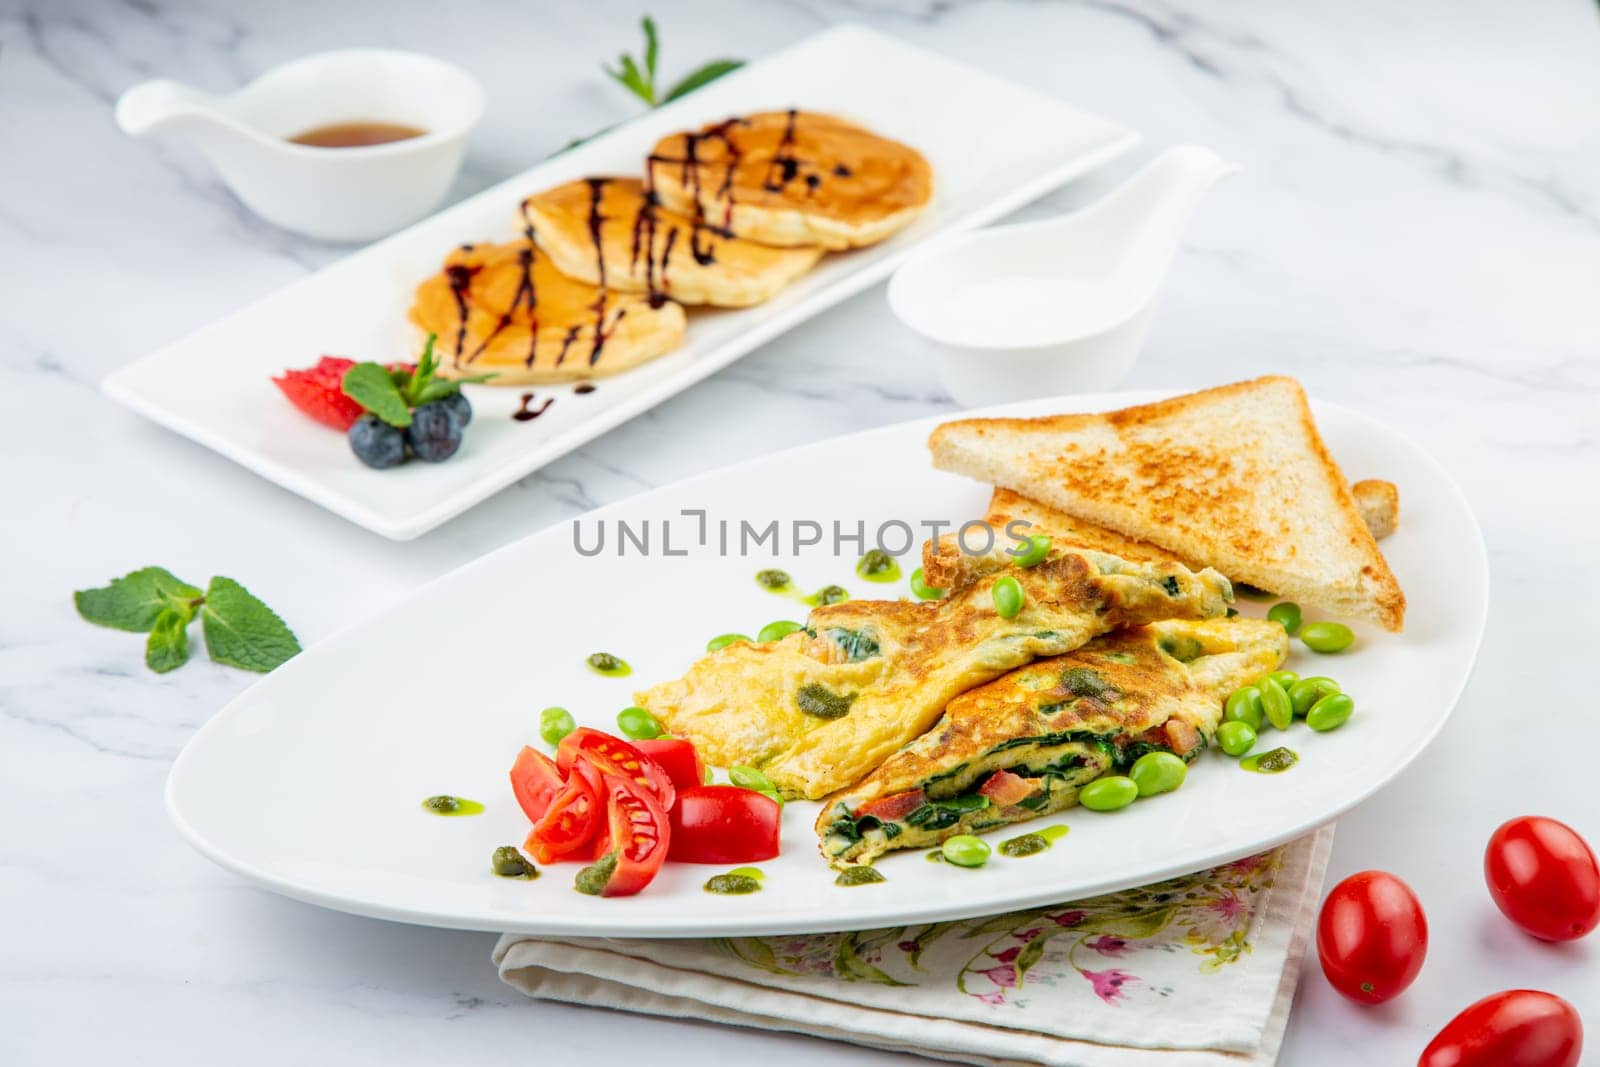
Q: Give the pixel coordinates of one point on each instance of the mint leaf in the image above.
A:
(702, 77)
(652, 48)
(370, 385)
(440, 388)
(241, 631)
(135, 601)
(168, 646)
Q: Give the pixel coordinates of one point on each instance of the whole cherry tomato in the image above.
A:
(1371, 937)
(1517, 1028)
(724, 824)
(1543, 876)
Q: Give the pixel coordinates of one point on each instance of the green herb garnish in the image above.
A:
(239, 630)
(392, 394)
(638, 76)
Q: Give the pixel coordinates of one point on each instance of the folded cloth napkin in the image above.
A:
(1198, 971)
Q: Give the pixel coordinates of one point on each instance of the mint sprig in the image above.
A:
(239, 630)
(391, 395)
(638, 76)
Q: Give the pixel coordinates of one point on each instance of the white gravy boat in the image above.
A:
(1058, 306)
(336, 194)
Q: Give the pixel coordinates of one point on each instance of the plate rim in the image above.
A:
(825, 923)
(117, 385)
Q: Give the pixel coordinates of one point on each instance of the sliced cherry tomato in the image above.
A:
(572, 820)
(640, 837)
(1005, 789)
(724, 824)
(613, 755)
(1517, 1028)
(678, 758)
(1371, 937)
(535, 780)
(893, 808)
(1544, 877)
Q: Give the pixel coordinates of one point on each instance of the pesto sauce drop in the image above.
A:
(735, 884)
(1274, 762)
(774, 580)
(828, 594)
(1024, 845)
(878, 566)
(507, 862)
(859, 876)
(610, 666)
(445, 804)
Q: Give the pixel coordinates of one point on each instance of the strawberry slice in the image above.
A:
(316, 391)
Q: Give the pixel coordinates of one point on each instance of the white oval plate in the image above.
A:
(310, 782)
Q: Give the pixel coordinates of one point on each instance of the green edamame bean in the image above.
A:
(921, 589)
(1327, 637)
(1275, 704)
(1007, 593)
(638, 724)
(1236, 738)
(1244, 705)
(1307, 691)
(1158, 772)
(1108, 794)
(965, 850)
(1038, 548)
(1331, 712)
(723, 641)
(1286, 615)
(751, 778)
(773, 631)
(554, 724)
(1285, 679)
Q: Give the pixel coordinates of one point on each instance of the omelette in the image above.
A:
(792, 178)
(1023, 745)
(818, 709)
(613, 232)
(506, 308)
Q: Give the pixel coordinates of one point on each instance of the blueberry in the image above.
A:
(435, 432)
(460, 406)
(376, 443)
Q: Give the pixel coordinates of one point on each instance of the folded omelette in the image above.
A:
(820, 708)
(1023, 745)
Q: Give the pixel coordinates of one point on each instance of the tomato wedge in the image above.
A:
(640, 837)
(535, 780)
(724, 824)
(678, 758)
(614, 756)
(572, 820)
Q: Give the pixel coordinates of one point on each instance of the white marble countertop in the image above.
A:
(1416, 234)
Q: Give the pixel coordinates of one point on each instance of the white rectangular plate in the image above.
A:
(311, 782)
(994, 146)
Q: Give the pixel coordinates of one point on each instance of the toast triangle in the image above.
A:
(1235, 478)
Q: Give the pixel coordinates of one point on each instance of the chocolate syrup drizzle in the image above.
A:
(527, 414)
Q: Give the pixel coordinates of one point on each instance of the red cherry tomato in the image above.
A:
(535, 780)
(613, 755)
(1543, 876)
(572, 820)
(678, 758)
(1517, 1028)
(724, 824)
(640, 838)
(1004, 789)
(1371, 937)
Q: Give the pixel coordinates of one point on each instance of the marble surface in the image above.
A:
(1416, 233)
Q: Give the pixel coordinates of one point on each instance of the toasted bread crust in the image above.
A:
(1205, 476)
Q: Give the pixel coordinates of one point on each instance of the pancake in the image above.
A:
(820, 708)
(1055, 725)
(792, 178)
(505, 308)
(610, 231)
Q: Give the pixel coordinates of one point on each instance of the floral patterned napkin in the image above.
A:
(1198, 971)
